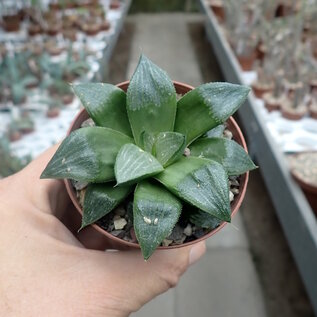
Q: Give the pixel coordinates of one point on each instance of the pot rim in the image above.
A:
(306, 186)
(234, 206)
(302, 183)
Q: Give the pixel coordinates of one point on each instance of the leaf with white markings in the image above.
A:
(227, 152)
(200, 182)
(133, 164)
(169, 147)
(207, 106)
(155, 213)
(100, 199)
(148, 140)
(151, 100)
(105, 104)
(87, 154)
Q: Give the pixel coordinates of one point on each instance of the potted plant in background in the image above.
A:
(274, 100)
(295, 105)
(218, 9)
(263, 84)
(14, 78)
(304, 169)
(241, 27)
(53, 108)
(145, 157)
(10, 16)
(313, 104)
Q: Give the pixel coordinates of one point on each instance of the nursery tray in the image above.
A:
(50, 131)
(295, 214)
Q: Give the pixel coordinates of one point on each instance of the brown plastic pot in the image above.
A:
(290, 114)
(55, 6)
(11, 23)
(218, 10)
(91, 29)
(284, 10)
(104, 25)
(67, 99)
(53, 113)
(272, 105)
(53, 30)
(309, 190)
(313, 112)
(246, 61)
(104, 239)
(260, 90)
(260, 51)
(313, 85)
(15, 136)
(115, 4)
(34, 29)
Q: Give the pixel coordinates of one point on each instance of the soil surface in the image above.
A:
(190, 226)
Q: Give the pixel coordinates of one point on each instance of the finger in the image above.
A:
(134, 281)
(47, 195)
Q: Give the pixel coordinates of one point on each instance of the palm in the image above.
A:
(46, 271)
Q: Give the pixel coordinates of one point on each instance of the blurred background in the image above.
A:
(264, 264)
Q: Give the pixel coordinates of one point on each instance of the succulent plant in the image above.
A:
(15, 78)
(68, 68)
(139, 141)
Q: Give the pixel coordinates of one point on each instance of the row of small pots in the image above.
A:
(11, 23)
(282, 102)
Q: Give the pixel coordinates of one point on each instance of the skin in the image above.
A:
(46, 271)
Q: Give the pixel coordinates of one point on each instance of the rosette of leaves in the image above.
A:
(138, 146)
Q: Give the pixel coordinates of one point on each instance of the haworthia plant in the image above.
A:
(152, 165)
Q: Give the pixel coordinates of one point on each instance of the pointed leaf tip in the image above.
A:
(133, 164)
(207, 106)
(169, 147)
(100, 199)
(155, 213)
(227, 152)
(151, 100)
(87, 154)
(105, 104)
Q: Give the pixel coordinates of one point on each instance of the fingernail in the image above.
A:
(196, 252)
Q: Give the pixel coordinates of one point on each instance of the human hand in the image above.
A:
(45, 271)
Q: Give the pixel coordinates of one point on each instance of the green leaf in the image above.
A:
(87, 154)
(168, 147)
(216, 132)
(133, 164)
(227, 152)
(151, 100)
(29, 80)
(100, 199)
(155, 213)
(105, 104)
(147, 140)
(200, 182)
(207, 106)
(203, 219)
